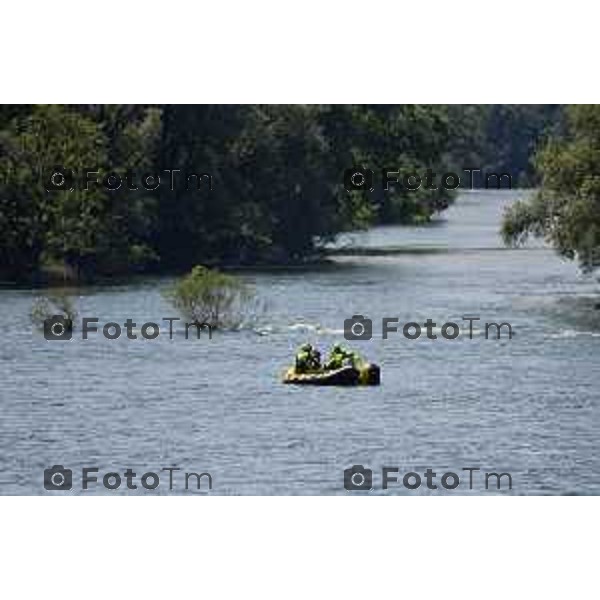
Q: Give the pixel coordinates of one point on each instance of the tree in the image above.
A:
(290, 184)
(87, 231)
(500, 138)
(59, 304)
(196, 224)
(207, 297)
(274, 196)
(566, 209)
(62, 224)
(409, 138)
(133, 136)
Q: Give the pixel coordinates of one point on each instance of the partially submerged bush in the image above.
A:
(208, 297)
(50, 306)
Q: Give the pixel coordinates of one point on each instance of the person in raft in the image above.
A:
(342, 357)
(308, 359)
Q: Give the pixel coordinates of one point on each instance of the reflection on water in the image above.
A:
(527, 406)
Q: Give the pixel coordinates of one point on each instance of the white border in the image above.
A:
(305, 52)
(299, 548)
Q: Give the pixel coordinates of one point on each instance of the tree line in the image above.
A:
(276, 171)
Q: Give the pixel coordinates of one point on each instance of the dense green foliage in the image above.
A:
(84, 231)
(57, 304)
(274, 194)
(277, 179)
(501, 138)
(404, 138)
(566, 208)
(208, 297)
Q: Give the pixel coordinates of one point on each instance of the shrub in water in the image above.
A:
(209, 297)
(47, 307)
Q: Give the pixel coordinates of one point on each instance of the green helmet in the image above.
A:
(306, 347)
(337, 348)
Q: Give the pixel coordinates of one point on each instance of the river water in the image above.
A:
(526, 406)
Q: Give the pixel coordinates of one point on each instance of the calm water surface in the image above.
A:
(527, 406)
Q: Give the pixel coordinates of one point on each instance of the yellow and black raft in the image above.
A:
(366, 374)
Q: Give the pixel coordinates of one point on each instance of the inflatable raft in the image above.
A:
(369, 374)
